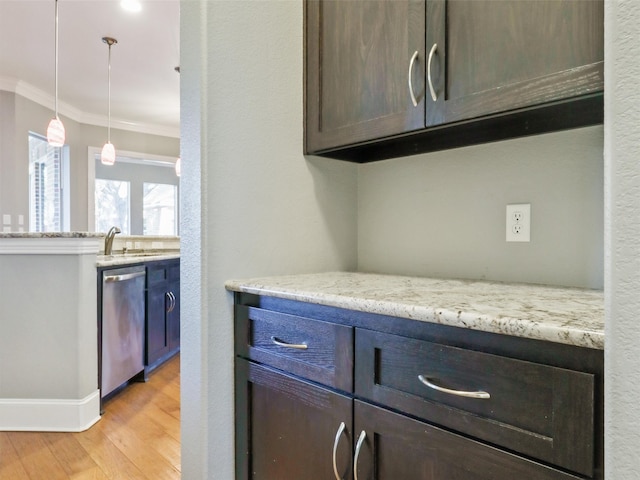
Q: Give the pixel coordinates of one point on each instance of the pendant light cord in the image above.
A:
(56, 60)
(109, 82)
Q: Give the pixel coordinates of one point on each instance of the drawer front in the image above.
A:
(538, 410)
(160, 272)
(312, 349)
(396, 447)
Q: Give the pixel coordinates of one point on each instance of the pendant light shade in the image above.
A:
(55, 133)
(178, 167)
(55, 130)
(108, 155)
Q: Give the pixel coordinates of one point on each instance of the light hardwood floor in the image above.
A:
(138, 437)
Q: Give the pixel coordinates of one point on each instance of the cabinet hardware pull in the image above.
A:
(280, 343)
(433, 92)
(411, 63)
(168, 295)
(122, 278)
(363, 435)
(173, 301)
(335, 449)
(459, 393)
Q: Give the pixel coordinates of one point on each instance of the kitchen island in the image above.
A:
(49, 324)
(463, 379)
(48, 331)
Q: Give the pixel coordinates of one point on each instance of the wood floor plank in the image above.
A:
(10, 465)
(148, 460)
(112, 461)
(73, 458)
(38, 461)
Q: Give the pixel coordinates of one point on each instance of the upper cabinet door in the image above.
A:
(365, 67)
(493, 56)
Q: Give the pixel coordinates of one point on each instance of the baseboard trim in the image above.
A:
(49, 415)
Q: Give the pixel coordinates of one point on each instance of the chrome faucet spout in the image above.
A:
(108, 240)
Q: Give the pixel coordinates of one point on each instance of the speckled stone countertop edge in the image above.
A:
(51, 235)
(118, 260)
(584, 328)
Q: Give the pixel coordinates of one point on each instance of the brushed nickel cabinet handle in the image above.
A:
(173, 301)
(280, 343)
(335, 449)
(429, 81)
(168, 308)
(459, 393)
(363, 435)
(411, 63)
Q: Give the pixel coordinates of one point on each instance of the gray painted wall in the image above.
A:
(443, 214)
(48, 347)
(20, 115)
(622, 233)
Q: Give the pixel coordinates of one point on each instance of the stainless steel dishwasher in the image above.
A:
(123, 302)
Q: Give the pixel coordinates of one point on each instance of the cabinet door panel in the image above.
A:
(157, 327)
(397, 447)
(495, 56)
(358, 57)
(174, 317)
(286, 428)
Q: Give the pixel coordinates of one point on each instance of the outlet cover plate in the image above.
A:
(519, 222)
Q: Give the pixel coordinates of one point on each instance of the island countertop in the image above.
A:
(571, 316)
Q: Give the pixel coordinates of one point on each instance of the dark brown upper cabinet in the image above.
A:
(391, 78)
(359, 57)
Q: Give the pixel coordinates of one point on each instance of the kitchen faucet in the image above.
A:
(108, 240)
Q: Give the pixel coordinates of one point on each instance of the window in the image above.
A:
(140, 194)
(112, 205)
(48, 200)
(159, 209)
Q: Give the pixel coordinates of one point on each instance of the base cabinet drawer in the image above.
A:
(395, 447)
(538, 410)
(312, 349)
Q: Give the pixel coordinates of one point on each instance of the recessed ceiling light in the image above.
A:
(131, 5)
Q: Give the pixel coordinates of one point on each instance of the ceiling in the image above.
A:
(145, 88)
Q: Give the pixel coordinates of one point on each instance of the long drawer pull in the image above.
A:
(280, 343)
(363, 435)
(459, 393)
(335, 449)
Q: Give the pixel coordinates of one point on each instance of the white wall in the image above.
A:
(443, 214)
(622, 233)
(264, 208)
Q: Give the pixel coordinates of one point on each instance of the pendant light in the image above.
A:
(55, 130)
(108, 155)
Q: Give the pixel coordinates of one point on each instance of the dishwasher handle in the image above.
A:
(123, 277)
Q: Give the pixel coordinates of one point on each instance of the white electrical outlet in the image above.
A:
(519, 222)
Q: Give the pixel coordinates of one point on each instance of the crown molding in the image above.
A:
(46, 100)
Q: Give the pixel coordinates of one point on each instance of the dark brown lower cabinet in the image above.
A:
(397, 447)
(320, 390)
(289, 428)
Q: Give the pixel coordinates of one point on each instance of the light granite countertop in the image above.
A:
(129, 259)
(51, 235)
(564, 315)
